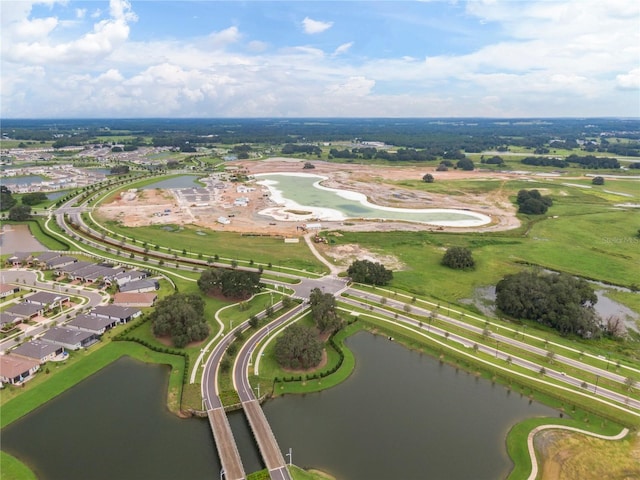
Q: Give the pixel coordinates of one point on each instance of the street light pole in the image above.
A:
(290, 455)
(595, 389)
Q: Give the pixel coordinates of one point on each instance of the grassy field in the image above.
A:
(235, 246)
(13, 469)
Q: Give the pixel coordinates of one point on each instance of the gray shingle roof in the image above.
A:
(91, 322)
(68, 336)
(36, 349)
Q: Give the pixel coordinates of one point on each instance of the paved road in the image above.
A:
(550, 372)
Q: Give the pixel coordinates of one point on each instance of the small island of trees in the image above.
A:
(366, 271)
(181, 317)
(557, 300)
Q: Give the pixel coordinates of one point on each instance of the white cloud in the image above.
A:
(556, 58)
(629, 81)
(344, 48)
(315, 26)
(29, 40)
(81, 13)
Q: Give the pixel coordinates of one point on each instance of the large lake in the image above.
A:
(304, 191)
(401, 415)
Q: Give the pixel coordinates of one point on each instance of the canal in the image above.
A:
(400, 415)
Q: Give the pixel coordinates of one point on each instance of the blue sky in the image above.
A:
(489, 58)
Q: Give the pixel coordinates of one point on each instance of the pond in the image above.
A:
(400, 415)
(299, 191)
(23, 180)
(182, 181)
(18, 238)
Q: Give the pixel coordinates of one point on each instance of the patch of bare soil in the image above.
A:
(346, 254)
(379, 183)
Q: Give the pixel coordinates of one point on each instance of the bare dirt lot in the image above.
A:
(221, 201)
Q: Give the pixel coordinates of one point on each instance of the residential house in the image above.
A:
(92, 323)
(59, 262)
(25, 310)
(116, 312)
(69, 338)
(130, 276)
(16, 370)
(140, 286)
(8, 320)
(135, 299)
(38, 350)
(6, 290)
(48, 299)
(40, 260)
(69, 268)
(19, 259)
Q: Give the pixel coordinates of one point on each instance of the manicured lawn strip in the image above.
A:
(300, 474)
(92, 362)
(228, 245)
(242, 311)
(13, 469)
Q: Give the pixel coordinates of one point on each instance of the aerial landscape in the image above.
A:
(320, 240)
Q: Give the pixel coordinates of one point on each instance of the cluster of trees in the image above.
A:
(34, 198)
(531, 202)
(428, 178)
(458, 258)
(323, 311)
(19, 212)
(465, 164)
(294, 148)
(180, 316)
(298, 347)
(231, 283)
(560, 301)
(545, 162)
(366, 271)
(6, 198)
(495, 160)
(119, 170)
(590, 161)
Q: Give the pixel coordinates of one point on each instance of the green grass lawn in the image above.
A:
(13, 469)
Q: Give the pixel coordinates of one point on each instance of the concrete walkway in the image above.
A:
(532, 453)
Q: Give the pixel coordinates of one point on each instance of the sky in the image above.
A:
(180, 59)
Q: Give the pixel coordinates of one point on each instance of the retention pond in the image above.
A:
(400, 415)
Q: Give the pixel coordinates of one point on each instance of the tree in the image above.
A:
(532, 202)
(560, 301)
(20, 213)
(323, 311)
(442, 168)
(308, 166)
(34, 198)
(465, 164)
(230, 283)
(459, 258)
(366, 271)
(428, 178)
(597, 181)
(180, 316)
(298, 347)
(6, 199)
